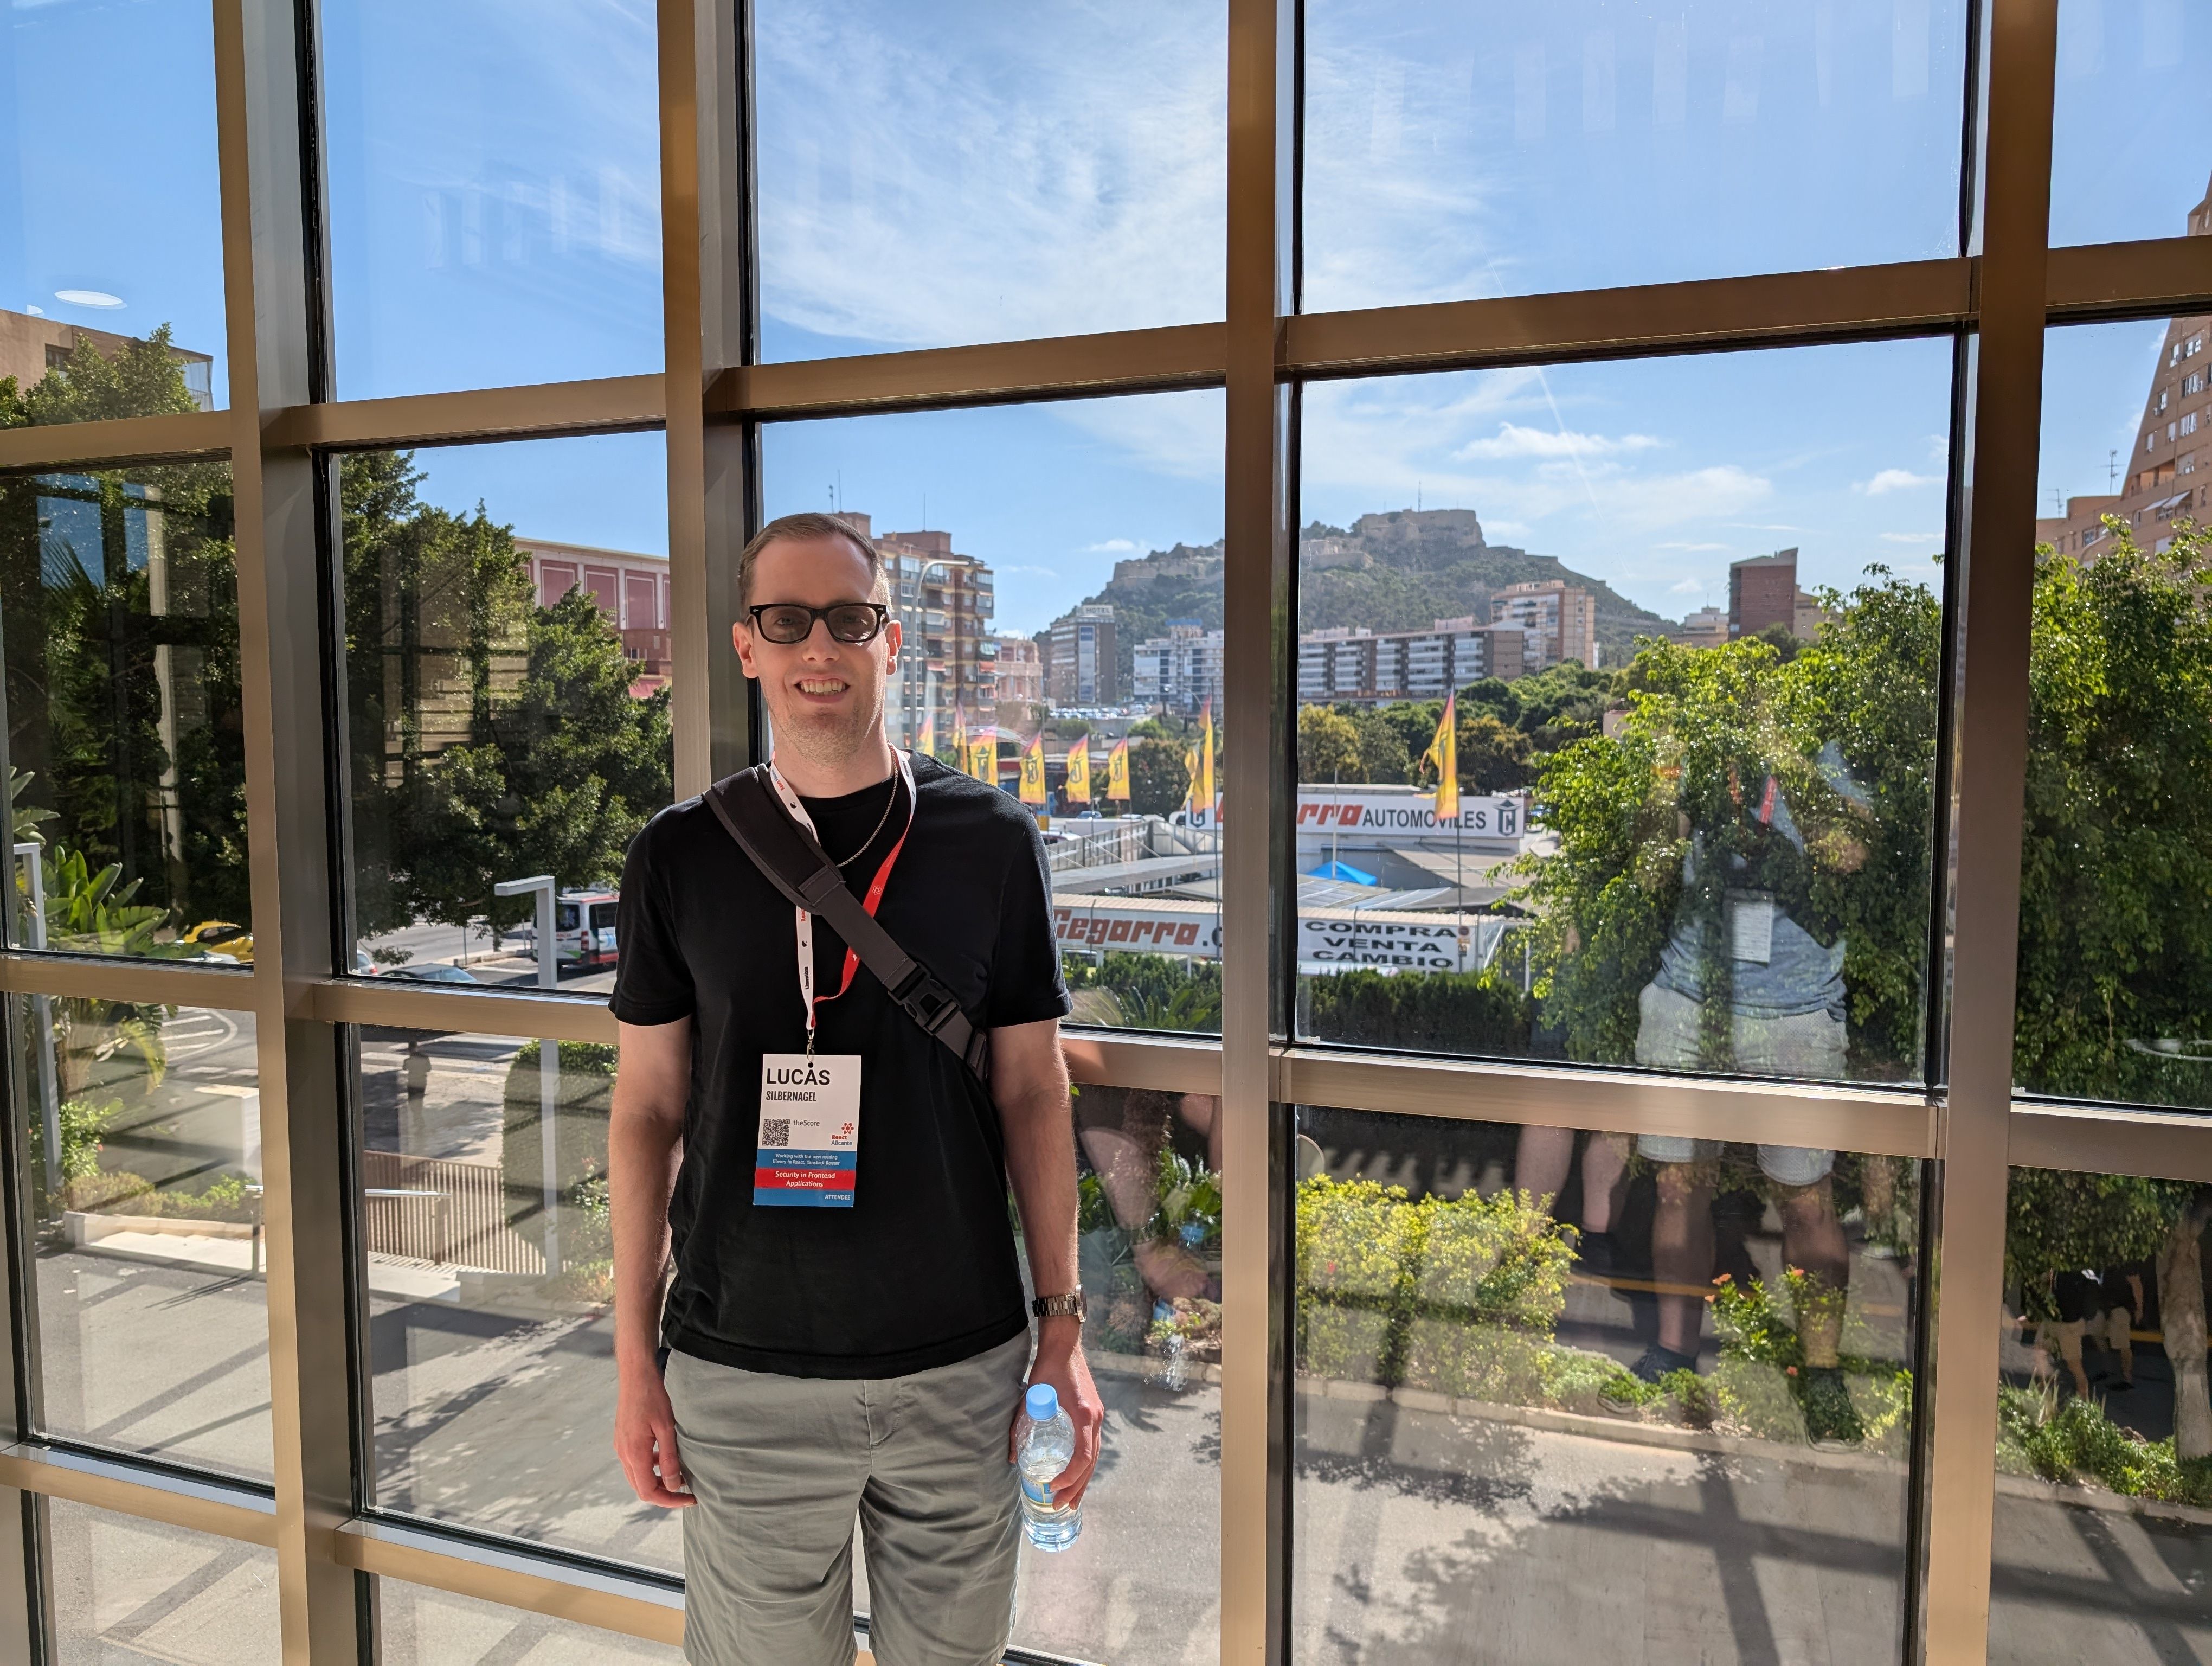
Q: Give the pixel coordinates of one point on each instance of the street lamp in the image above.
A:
(542, 886)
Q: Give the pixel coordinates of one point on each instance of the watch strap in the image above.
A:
(1070, 1306)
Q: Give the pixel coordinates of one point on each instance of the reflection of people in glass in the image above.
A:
(1745, 984)
(1540, 1167)
(2101, 1306)
(1123, 1135)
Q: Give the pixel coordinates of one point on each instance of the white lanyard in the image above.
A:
(805, 925)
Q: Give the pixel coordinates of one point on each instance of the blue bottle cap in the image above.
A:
(1041, 1403)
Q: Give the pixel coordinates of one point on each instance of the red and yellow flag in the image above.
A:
(1117, 772)
(1190, 769)
(926, 743)
(1444, 752)
(1032, 787)
(982, 755)
(1079, 773)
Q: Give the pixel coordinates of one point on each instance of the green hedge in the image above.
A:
(1426, 1011)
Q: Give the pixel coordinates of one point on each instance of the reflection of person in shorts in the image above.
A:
(1743, 985)
(2102, 1307)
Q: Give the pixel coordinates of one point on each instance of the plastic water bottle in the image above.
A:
(1044, 1444)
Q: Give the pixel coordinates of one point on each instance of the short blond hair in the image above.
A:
(804, 528)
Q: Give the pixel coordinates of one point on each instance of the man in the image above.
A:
(868, 1359)
(1743, 985)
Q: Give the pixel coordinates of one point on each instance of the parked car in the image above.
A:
(219, 939)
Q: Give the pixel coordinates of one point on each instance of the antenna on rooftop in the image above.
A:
(2112, 471)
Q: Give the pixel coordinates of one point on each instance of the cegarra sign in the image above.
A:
(1348, 937)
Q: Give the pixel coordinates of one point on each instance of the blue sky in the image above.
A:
(971, 171)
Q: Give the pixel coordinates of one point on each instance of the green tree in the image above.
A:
(1383, 758)
(491, 738)
(1328, 746)
(120, 640)
(1158, 783)
(2116, 877)
(1846, 729)
(1492, 757)
(558, 778)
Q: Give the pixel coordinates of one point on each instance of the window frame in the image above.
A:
(1993, 302)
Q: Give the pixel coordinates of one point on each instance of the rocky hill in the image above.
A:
(1400, 570)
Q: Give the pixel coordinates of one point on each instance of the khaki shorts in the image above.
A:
(1808, 1044)
(781, 1464)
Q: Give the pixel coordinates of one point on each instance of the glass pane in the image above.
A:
(2120, 167)
(507, 698)
(1569, 1397)
(494, 192)
(1066, 608)
(2116, 927)
(142, 1126)
(484, 1225)
(2104, 1431)
(111, 246)
(126, 764)
(1143, 1581)
(126, 1589)
(1494, 148)
(1692, 741)
(418, 1627)
(1012, 155)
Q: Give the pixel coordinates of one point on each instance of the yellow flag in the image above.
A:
(1032, 790)
(960, 733)
(1190, 769)
(1117, 772)
(1079, 773)
(983, 755)
(1205, 798)
(1444, 752)
(927, 743)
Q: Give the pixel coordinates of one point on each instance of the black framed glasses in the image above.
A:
(793, 621)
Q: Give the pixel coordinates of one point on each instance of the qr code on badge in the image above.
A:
(775, 1130)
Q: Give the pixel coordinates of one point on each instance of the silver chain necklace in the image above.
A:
(891, 799)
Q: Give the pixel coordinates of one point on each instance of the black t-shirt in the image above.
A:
(920, 1271)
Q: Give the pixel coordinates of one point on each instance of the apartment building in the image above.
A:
(1560, 619)
(1357, 666)
(1181, 670)
(1080, 664)
(31, 346)
(2168, 474)
(631, 589)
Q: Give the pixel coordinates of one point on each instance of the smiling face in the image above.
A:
(824, 697)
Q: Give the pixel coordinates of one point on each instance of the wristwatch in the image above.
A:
(1053, 1307)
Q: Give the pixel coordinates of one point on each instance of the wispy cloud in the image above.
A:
(1025, 181)
(1912, 538)
(1016, 566)
(1679, 544)
(1895, 480)
(1512, 439)
(1112, 546)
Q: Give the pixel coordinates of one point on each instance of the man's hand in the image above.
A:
(1060, 1362)
(645, 1440)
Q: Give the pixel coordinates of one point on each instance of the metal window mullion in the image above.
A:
(1257, 518)
(1995, 576)
(268, 293)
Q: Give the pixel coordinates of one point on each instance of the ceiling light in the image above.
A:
(87, 297)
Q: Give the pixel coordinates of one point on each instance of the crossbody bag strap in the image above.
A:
(798, 867)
